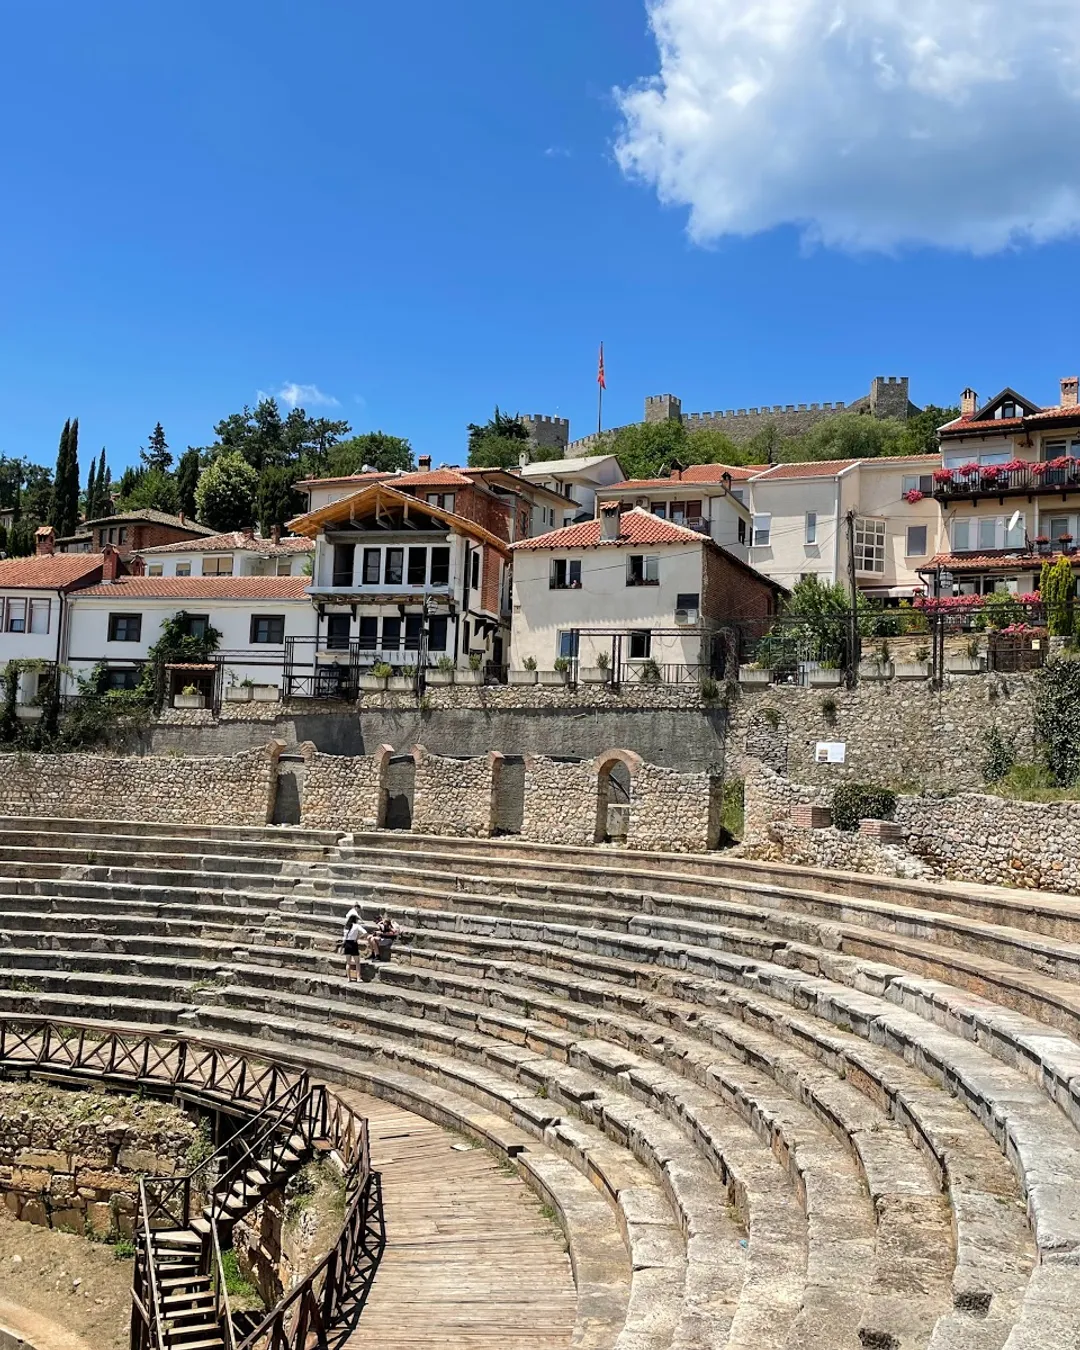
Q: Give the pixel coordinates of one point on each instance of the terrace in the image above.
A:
(1017, 477)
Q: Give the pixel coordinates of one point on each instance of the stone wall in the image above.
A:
(218, 790)
(673, 812)
(557, 797)
(72, 1159)
(344, 792)
(455, 796)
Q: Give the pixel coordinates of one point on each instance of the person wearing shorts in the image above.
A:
(350, 943)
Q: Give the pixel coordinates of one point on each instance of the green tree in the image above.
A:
(129, 481)
(64, 510)
(1057, 588)
(155, 490)
(276, 501)
(98, 501)
(644, 448)
(225, 497)
(91, 489)
(187, 478)
(21, 541)
(72, 483)
(708, 446)
(847, 436)
(920, 436)
(156, 454)
(374, 448)
(497, 443)
(36, 498)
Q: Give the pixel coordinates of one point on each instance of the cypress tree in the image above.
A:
(59, 509)
(71, 495)
(91, 489)
(101, 495)
(187, 478)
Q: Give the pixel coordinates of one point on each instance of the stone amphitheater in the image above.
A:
(764, 1108)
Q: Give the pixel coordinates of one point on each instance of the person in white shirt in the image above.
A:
(350, 942)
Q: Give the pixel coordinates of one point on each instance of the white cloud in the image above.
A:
(558, 152)
(305, 395)
(869, 124)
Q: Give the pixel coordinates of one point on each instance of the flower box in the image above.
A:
(468, 677)
(439, 677)
(875, 670)
(912, 670)
(238, 693)
(266, 693)
(555, 678)
(28, 712)
(754, 676)
(825, 679)
(401, 684)
(594, 674)
(963, 665)
(522, 676)
(189, 701)
(372, 682)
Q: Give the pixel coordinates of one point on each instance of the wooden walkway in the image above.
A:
(471, 1263)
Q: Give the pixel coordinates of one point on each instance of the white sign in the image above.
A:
(830, 752)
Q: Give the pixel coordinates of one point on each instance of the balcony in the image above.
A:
(972, 482)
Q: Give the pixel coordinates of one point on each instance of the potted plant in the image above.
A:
(442, 673)
(918, 669)
(527, 675)
(879, 666)
(1065, 540)
(1042, 543)
(559, 676)
(403, 683)
(755, 675)
(913, 496)
(967, 662)
(597, 674)
(376, 677)
(239, 693)
(827, 676)
(475, 674)
(650, 671)
(189, 697)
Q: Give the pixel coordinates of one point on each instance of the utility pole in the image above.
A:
(853, 600)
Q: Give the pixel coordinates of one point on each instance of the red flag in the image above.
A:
(600, 371)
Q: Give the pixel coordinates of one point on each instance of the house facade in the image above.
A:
(131, 531)
(238, 553)
(707, 498)
(576, 481)
(646, 594)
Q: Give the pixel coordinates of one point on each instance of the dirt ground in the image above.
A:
(80, 1285)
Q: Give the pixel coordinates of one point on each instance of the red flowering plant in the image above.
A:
(969, 468)
(913, 496)
(1015, 466)
(943, 475)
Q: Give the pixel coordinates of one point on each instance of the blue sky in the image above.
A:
(424, 210)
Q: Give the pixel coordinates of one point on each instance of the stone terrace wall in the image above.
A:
(454, 796)
(557, 799)
(219, 790)
(343, 792)
(673, 812)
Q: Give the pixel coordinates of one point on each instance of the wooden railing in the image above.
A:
(282, 1102)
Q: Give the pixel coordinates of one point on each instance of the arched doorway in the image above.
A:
(615, 774)
(400, 784)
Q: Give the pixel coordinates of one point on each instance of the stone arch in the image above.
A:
(767, 739)
(615, 771)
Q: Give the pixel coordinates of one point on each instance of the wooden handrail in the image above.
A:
(222, 1310)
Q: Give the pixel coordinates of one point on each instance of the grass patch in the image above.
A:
(123, 1249)
(732, 812)
(1032, 783)
(236, 1282)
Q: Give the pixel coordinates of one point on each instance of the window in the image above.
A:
(1061, 449)
(742, 530)
(268, 628)
(39, 616)
(1017, 536)
(195, 625)
(437, 633)
(987, 532)
(474, 564)
(121, 535)
(960, 536)
(811, 527)
(640, 644)
(660, 509)
(762, 531)
(338, 628)
(1059, 525)
(568, 645)
(16, 616)
(440, 567)
(372, 566)
(565, 574)
(217, 567)
(183, 569)
(681, 512)
(869, 545)
(740, 495)
(156, 570)
(414, 626)
(417, 574)
(125, 627)
(112, 534)
(344, 559)
(284, 567)
(643, 569)
(916, 541)
(917, 482)
(1007, 409)
(391, 634)
(395, 566)
(444, 500)
(688, 603)
(125, 678)
(367, 638)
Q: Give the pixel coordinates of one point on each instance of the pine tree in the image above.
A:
(156, 455)
(187, 478)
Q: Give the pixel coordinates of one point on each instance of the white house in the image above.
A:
(575, 480)
(709, 498)
(647, 592)
(238, 553)
(116, 622)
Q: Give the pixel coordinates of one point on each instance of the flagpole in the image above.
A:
(601, 385)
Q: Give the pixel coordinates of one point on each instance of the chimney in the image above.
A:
(110, 563)
(275, 534)
(45, 541)
(609, 521)
(137, 567)
(180, 518)
(1069, 389)
(969, 402)
(423, 463)
(248, 531)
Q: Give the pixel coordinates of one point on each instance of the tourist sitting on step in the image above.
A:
(381, 938)
(350, 944)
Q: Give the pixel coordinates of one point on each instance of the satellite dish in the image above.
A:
(1014, 521)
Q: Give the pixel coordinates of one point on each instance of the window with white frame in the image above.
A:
(640, 644)
(183, 569)
(217, 567)
(643, 569)
(987, 533)
(568, 644)
(39, 616)
(762, 531)
(15, 619)
(565, 574)
(916, 541)
(869, 544)
(1061, 449)
(917, 482)
(810, 535)
(156, 570)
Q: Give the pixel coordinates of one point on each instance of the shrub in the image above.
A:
(1057, 719)
(381, 670)
(446, 663)
(829, 708)
(562, 664)
(853, 802)
(710, 690)
(603, 660)
(530, 663)
(650, 672)
(476, 660)
(999, 758)
(732, 812)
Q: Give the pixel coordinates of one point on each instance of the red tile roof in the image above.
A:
(235, 539)
(372, 476)
(1010, 562)
(636, 528)
(152, 517)
(692, 474)
(54, 573)
(433, 478)
(962, 425)
(204, 588)
(815, 468)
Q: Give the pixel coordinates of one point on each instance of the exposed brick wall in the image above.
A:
(729, 591)
(483, 509)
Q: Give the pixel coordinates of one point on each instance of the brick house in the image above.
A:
(131, 531)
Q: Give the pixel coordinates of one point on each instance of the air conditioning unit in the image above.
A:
(686, 616)
(642, 502)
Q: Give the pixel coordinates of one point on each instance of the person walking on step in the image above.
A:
(381, 941)
(350, 943)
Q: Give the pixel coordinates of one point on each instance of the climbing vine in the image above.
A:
(1057, 719)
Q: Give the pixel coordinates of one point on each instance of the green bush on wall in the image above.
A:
(853, 802)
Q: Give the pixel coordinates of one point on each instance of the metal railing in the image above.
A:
(990, 480)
